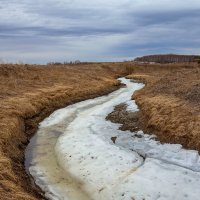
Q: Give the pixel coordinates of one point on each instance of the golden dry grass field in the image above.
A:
(169, 104)
(30, 93)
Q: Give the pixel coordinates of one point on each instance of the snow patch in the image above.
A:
(131, 106)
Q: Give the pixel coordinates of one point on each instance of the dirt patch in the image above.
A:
(129, 120)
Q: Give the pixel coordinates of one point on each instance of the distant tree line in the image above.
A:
(66, 63)
(168, 58)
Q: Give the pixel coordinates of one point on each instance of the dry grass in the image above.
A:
(170, 102)
(30, 93)
(170, 107)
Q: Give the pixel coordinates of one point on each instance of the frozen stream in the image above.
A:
(72, 157)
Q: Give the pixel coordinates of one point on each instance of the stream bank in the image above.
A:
(74, 154)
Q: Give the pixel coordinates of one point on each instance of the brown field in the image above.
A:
(170, 102)
(30, 93)
(170, 107)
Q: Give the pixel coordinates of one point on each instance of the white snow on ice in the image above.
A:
(131, 106)
(72, 156)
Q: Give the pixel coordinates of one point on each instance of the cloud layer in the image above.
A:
(97, 30)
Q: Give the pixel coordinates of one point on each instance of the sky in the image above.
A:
(35, 31)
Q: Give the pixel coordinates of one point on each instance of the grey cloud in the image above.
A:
(96, 30)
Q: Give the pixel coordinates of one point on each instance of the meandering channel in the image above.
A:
(73, 157)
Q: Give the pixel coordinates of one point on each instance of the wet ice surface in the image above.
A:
(73, 157)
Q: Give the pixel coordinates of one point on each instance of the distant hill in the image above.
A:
(168, 58)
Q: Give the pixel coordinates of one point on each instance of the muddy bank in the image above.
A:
(128, 120)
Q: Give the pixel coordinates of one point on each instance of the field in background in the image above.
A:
(170, 106)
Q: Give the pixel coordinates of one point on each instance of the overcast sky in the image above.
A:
(39, 31)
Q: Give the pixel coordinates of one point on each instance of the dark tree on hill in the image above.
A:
(168, 58)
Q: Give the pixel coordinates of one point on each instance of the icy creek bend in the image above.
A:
(72, 156)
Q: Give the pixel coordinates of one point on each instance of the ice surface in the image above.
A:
(73, 157)
(131, 106)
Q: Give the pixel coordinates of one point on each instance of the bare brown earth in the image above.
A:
(169, 104)
(30, 93)
(128, 120)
